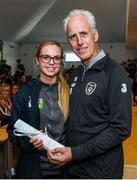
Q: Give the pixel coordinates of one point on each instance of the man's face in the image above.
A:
(82, 38)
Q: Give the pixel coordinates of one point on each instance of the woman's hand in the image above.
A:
(37, 143)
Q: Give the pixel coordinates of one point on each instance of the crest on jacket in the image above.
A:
(90, 88)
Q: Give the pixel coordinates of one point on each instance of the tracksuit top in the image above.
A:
(26, 106)
(99, 119)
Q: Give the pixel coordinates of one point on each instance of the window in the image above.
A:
(71, 57)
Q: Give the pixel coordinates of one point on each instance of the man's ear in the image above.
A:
(96, 36)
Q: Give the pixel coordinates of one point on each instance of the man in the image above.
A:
(100, 106)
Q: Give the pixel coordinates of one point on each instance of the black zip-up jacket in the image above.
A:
(25, 107)
(99, 119)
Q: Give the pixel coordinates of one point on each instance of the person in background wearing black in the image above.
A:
(20, 70)
(100, 106)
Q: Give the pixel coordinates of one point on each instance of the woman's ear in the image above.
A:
(96, 36)
(37, 61)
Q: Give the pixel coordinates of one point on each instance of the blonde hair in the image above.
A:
(48, 42)
(63, 88)
(2, 86)
(5, 102)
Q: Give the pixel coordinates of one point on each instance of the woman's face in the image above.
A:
(49, 62)
(14, 90)
(5, 91)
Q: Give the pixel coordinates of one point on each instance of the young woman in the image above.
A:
(43, 104)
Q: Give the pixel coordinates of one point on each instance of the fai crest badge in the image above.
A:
(90, 88)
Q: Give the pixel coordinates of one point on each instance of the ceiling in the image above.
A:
(31, 21)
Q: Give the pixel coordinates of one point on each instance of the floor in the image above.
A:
(130, 149)
(130, 145)
(2, 168)
(130, 172)
(130, 152)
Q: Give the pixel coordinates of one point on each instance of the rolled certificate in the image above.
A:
(24, 129)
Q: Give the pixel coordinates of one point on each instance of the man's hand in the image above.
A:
(60, 155)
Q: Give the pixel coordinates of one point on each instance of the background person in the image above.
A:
(14, 89)
(5, 104)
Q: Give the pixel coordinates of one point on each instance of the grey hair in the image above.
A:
(76, 12)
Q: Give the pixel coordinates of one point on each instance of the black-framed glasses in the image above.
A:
(47, 59)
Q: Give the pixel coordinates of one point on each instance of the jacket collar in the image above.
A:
(99, 65)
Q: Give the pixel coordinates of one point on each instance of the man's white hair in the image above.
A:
(76, 12)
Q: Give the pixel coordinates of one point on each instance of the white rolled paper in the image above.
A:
(24, 129)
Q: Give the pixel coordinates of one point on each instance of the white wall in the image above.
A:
(11, 52)
(27, 51)
(118, 51)
(27, 57)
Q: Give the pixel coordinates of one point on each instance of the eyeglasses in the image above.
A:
(47, 59)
